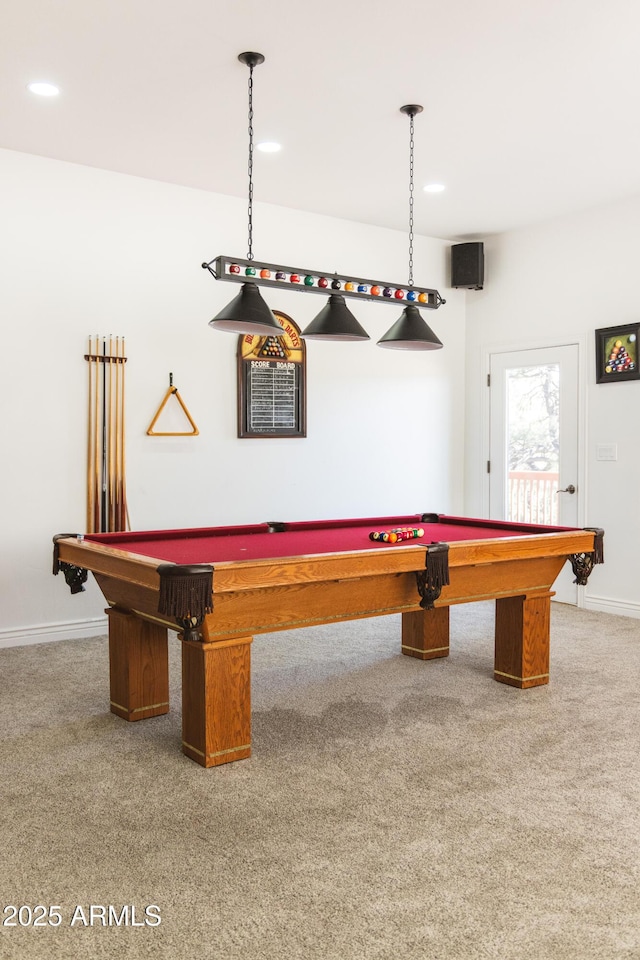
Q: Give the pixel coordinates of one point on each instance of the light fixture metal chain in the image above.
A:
(410, 110)
(250, 165)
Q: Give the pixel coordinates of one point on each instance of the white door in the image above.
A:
(534, 442)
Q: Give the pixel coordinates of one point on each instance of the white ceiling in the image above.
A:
(531, 107)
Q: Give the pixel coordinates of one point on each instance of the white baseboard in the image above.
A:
(623, 608)
(47, 632)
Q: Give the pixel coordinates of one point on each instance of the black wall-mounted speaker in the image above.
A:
(467, 265)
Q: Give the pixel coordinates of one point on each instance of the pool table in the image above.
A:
(220, 586)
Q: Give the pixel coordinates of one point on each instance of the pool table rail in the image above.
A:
(319, 567)
(263, 596)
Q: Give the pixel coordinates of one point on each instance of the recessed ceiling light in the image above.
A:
(268, 146)
(43, 89)
(434, 188)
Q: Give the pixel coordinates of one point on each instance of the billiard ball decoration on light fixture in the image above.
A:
(248, 313)
(309, 281)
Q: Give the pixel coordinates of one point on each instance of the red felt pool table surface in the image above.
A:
(305, 538)
(284, 576)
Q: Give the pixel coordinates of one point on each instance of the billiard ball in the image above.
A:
(265, 274)
(234, 268)
(386, 292)
(323, 282)
(399, 294)
(250, 271)
(294, 278)
(336, 285)
(375, 291)
(308, 281)
(280, 275)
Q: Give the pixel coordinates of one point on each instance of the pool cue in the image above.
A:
(119, 421)
(110, 448)
(126, 523)
(103, 465)
(95, 527)
(116, 435)
(109, 419)
(90, 487)
(96, 427)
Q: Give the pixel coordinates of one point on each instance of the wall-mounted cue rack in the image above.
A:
(106, 486)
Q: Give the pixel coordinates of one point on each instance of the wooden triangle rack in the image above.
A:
(172, 392)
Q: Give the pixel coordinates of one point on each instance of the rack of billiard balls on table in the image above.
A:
(396, 534)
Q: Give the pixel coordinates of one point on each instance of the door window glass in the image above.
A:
(533, 443)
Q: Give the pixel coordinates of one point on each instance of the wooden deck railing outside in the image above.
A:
(532, 496)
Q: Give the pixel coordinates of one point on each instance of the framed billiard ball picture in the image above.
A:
(617, 353)
(272, 396)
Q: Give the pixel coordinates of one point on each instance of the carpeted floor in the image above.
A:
(392, 809)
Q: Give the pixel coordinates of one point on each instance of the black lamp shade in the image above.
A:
(335, 322)
(247, 313)
(410, 332)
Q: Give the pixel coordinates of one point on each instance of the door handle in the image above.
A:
(569, 489)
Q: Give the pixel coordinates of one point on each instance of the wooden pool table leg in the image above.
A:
(522, 640)
(138, 666)
(216, 700)
(425, 633)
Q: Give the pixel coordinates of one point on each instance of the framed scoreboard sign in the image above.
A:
(272, 393)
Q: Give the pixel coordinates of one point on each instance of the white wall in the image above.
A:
(85, 251)
(560, 281)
